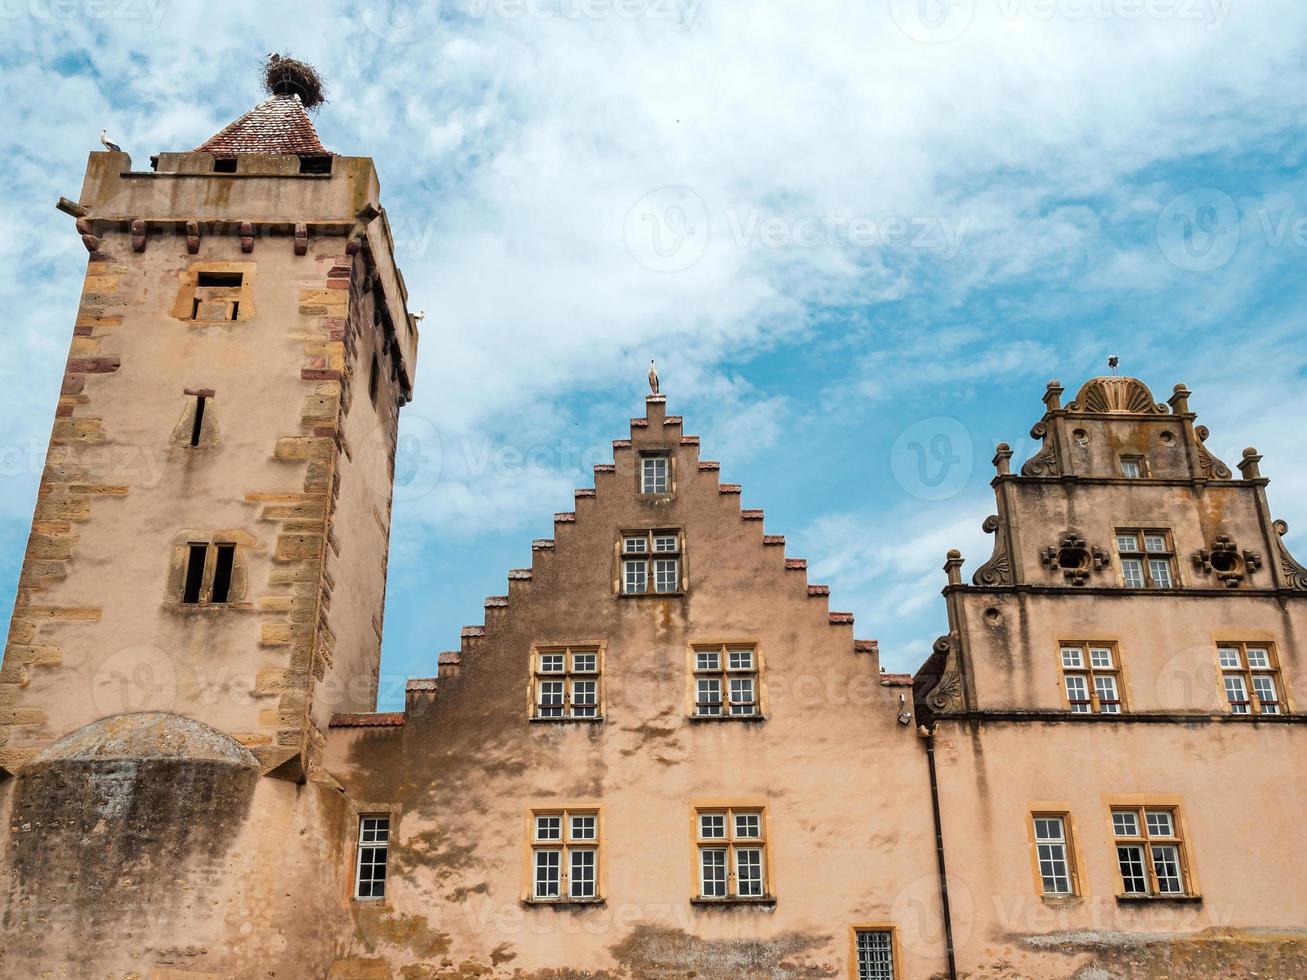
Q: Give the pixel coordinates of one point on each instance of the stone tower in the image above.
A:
(205, 578)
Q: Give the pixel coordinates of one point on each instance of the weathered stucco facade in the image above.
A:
(661, 755)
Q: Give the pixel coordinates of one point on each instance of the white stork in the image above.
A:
(653, 377)
(109, 144)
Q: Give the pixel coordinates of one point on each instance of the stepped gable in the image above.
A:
(693, 473)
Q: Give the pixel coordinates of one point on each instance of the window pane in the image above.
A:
(875, 956)
(1130, 468)
(667, 575)
(1264, 685)
(373, 852)
(1073, 657)
(1125, 823)
(1130, 859)
(1237, 694)
(585, 699)
(712, 826)
(635, 544)
(1132, 573)
(548, 865)
(1127, 542)
(581, 874)
(1108, 701)
(1166, 866)
(654, 474)
(1159, 823)
(549, 828)
(1077, 693)
(1229, 657)
(1159, 569)
(1100, 658)
(742, 698)
(708, 696)
(1258, 659)
(550, 699)
(748, 872)
(637, 577)
(707, 660)
(551, 663)
(584, 826)
(585, 663)
(1054, 869)
(748, 825)
(665, 542)
(1155, 543)
(712, 863)
(740, 659)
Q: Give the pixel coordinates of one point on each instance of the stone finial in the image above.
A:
(1179, 400)
(953, 566)
(1250, 465)
(1053, 395)
(1003, 459)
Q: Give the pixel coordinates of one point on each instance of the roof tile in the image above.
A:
(278, 125)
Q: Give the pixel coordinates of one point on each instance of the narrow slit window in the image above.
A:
(374, 378)
(235, 308)
(195, 555)
(222, 572)
(195, 308)
(198, 425)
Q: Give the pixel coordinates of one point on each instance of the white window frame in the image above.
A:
(724, 667)
(1159, 846)
(373, 852)
(1147, 557)
(563, 673)
(1053, 853)
(720, 846)
(654, 478)
(652, 562)
(1245, 664)
(1093, 666)
(558, 837)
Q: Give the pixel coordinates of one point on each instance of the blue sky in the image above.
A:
(859, 239)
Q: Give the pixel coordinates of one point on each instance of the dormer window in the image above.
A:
(655, 473)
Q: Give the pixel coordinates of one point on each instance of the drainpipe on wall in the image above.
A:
(939, 855)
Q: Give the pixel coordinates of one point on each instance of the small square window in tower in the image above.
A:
(217, 296)
(208, 573)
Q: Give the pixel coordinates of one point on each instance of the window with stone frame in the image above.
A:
(874, 953)
(732, 853)
(1250, 678)
(565, 855)
(726, 681)
(1151, 858)
(1054, 854)
(207, 573)
(1133, 467)
(567, 684)
(1091, 677)
(655, 472)
(1147, 558)
(651, 562)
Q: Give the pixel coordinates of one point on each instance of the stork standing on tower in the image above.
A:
(109, 144)
(653, 377)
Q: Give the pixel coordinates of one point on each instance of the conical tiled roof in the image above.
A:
(276, 125)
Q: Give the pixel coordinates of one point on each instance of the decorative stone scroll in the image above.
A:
(1074, 558)
(998, 570)
(947, 694)
(1295, 575)
(1224, 560)
(1045, 463)
(1211, 467)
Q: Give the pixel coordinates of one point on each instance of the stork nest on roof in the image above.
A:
(288, 76)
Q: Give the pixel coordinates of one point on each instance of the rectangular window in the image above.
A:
(564, 855)
(1147, 558)
(1132, 467)
(732, 853)
(874, 953)
(566, 683)
(207, 572)
(373, 852)
(1052, 848)
(1150, 854)
(1250, 676)
(655, 473)
(1091, 676)
(726, 681)
(651, 562)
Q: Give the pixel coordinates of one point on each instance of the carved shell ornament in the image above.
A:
(1224, 560)
(1075, 558)
(1116, 396)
